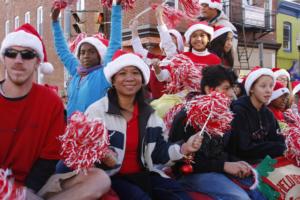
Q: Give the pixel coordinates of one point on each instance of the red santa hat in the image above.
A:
(216, 4)
(296, 87)
(203, 26)
(281, 72)
(27, 36)
(123, 59)
(254, 74)
(278, 91)
(219, 30)
(100, 44)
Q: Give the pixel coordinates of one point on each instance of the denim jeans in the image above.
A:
(61, 168)
(161, 188)
(216, 185)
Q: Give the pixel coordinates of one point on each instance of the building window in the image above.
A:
(27, 17)
(287, 36)
(17, 22)
(7, 27)
(80, 5)
(39, 21)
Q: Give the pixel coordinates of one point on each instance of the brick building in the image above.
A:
(37, 12)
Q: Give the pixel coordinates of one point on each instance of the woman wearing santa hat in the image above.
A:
(136, 134)
(88, 83)
(278, 101)
(197, 37)
(254, 133)
(221, 45)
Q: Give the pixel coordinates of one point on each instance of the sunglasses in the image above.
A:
(25, 54)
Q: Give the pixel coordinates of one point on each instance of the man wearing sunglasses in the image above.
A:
(31, 120)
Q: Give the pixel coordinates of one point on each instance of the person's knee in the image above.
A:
(96, 182)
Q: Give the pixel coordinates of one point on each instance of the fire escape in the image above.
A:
(252, 23)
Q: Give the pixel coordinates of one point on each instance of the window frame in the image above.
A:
(287, 25)
(27, 17)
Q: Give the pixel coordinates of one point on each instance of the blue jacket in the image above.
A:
(82, 92)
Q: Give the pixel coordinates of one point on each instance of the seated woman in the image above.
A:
(255, 130)
(278, 101)
(136, 134)
(221, 45)
(212, 165)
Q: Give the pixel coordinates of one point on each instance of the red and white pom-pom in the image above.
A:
(293, 145)
(61, 4)
(184, 75)
(215, 105)
(191, 7)
(8, 190)
(169, 117)
(292, 119)
(84, 142)
(126, 4)
(73, 44)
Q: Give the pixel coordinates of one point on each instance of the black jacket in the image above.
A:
(254, 133)
(211, 156)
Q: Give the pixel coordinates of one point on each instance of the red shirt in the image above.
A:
(130, 163)
(29, 128)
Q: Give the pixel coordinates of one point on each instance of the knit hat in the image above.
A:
(219, 30)
(27, 36)
(281, 72)
(296, 87)
(198, 26)
(217, 4)
(123, 59)
(278, 91)
(100, 44)
(254, 74)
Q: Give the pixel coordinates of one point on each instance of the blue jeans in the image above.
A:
(216, 185)
(161, 188)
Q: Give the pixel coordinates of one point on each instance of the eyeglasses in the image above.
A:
(25, 54)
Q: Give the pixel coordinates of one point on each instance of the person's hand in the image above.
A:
(133, 24)
(110, 159)
(155, 64)
(192, 145)
(240, 169)
(159, 15)
(116, 2)
(55, 14)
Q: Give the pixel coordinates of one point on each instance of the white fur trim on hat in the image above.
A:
(221, 31)
(101, 48)
(206, 28)
(278, 93)
(254, 75)
(23, 39)
(128, 59)
(46, 68)
(282, 72)
(296, 89)
(215, 5)
(178, 39)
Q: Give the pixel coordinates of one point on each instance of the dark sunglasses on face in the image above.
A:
(25, 54)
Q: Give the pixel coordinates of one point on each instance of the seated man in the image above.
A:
(32, 118)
